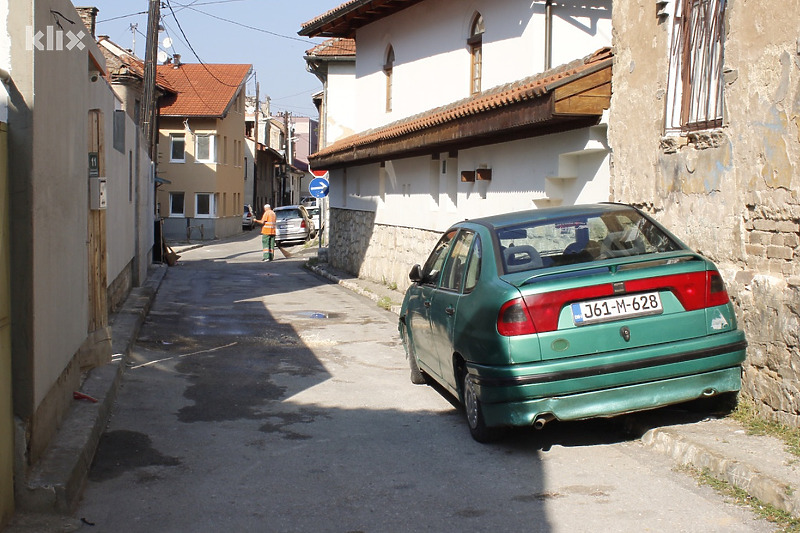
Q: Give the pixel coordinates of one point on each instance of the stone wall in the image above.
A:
(380, 253)
(730, 193)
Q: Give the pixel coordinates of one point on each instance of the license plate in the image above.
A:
(607, 309)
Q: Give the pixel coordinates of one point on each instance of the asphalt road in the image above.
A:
(263, 398)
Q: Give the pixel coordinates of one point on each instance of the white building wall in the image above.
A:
(428, 194)
(60, 185)
(432, 60)
(341, 108)
(121, 182)
(5, 59)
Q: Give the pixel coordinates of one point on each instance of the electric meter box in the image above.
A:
(97, 193)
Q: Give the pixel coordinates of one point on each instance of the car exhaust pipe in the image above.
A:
(709, 392)
(541, 420)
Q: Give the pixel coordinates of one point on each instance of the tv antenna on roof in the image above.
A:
(134, 26)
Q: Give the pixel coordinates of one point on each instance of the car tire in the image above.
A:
(417, 376)
(473, 410)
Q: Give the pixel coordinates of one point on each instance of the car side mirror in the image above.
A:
(415, 275)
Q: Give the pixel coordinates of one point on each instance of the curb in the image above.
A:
(353, 286)
(740, 474)
(55, 483)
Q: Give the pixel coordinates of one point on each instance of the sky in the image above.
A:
(260, 32)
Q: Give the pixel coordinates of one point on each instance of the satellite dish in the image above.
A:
(162, 56)
(167, 42)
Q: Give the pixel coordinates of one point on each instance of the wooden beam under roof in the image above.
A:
(349, 17)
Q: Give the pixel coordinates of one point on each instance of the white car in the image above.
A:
(293, 224)
(248, 218)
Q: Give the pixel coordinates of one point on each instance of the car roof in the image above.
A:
(547, 213)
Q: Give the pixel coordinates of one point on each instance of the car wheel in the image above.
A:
(472, 409)
(417, 376)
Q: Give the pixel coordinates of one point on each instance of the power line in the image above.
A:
(169, 6)
(274, 34)
(185, 6)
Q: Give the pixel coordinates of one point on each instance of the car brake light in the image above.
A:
(514, 319)
(694, 291)
(303, 224)
(717, 294)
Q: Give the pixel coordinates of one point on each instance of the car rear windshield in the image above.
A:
(283, 214)
(580, 238)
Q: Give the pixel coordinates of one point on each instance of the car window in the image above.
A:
(453, 275)
(284, 214)
(433, 266)
(473, 266)
(580, 238)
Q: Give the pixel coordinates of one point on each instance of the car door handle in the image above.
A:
(450, 310)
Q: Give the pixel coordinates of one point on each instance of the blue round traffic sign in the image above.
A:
(318, 187)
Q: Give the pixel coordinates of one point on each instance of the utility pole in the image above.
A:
(255, 150)
(149, 97)
(287, 156)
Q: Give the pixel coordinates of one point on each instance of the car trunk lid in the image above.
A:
(616, 305)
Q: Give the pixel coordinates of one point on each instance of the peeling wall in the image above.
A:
(736, 186)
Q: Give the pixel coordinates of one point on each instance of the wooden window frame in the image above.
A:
(475, 43)
(172, 138)
(388, 70)
(696, 85)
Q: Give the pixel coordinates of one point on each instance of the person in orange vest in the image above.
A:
(267, 222)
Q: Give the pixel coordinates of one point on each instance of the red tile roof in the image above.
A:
(122, 63)
(487, 102)
(336, 47)
(202, 90)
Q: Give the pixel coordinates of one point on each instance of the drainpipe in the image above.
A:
(548, 34)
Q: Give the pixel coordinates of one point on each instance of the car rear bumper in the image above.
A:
(610, 384)
(614, 401)
(292, 236)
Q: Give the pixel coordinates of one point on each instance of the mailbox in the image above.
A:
(97, 193)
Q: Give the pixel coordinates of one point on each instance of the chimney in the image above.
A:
(177, 59)
(89, 17)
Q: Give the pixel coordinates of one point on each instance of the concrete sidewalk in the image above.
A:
(56, 482)
(759, 465)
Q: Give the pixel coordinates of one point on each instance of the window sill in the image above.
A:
(698, 140)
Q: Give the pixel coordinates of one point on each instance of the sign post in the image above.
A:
(319, 189)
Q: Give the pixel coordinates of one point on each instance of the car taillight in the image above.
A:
(303, 224)
(717, 294)
(695, 290)
(514, 319)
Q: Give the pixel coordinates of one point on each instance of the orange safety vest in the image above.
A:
(268, 221)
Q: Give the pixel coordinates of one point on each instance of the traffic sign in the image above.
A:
(318, 187)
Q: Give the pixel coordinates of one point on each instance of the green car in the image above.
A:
(569, 313)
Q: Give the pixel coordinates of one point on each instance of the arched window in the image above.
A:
(475, 43)
(388, 68)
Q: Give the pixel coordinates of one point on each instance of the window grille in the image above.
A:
(695, 94)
